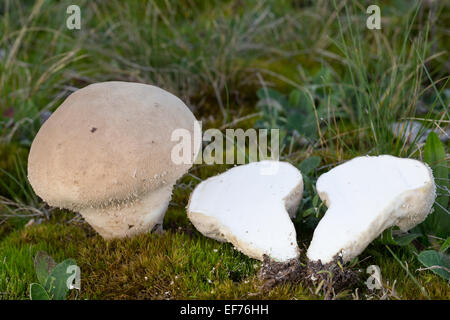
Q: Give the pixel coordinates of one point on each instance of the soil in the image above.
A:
(274, 273)
(331, 277)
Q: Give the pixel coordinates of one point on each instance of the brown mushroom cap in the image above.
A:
(109, 144)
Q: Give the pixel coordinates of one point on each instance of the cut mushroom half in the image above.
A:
(365, 196)
(251, 207)
(106, 153)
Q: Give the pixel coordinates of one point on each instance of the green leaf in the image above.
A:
(56, 283)
(271, 94)
(445, 245)
(309, 126)
(434, 151)
(315, 200)
(308, 212)
(438, 222)
(300, 100)
(438, 262)
(37, 292)
(294, 97)
(403, 239)
(43, 264)
(309, 164)
(386, 237)
(324, 75)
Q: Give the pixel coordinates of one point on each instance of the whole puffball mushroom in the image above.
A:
(365, 196)
(251, 207)
(106, 153)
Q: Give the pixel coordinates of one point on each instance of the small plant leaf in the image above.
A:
(403, 239)
(309, 164)
(438, 222)
(308, 212)
(386, 237)
(437, 262)
(445, 245)
(56, 283)
(315, 200)
(268, 94)
(294, 97)
(43, 264)
(433, 151)
(37, 292)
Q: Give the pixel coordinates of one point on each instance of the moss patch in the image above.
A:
(173, 265)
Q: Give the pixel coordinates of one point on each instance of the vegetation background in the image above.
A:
(310, 68)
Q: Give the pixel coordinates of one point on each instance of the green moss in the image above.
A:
(18, 249)
(179, 264)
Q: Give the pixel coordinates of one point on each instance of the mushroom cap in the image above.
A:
(109, 143)
(365, 196)
(250, 209)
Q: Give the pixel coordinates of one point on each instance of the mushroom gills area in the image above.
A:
(365, 196)
(141, 215)
(250, 209)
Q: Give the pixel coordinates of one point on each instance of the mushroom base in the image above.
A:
(140, 216)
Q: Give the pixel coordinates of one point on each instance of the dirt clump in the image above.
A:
(329, 278)
(332, 277)
(273, 273)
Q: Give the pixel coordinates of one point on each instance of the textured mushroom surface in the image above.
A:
(106, 153)
(250, 209)
(365, 196)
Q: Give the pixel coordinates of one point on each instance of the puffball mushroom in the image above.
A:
(365, 196)
(106, 153)
(251, 209)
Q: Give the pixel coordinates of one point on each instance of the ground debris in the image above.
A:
(274, 273)
(331, 277)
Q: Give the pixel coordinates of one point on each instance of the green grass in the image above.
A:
(215, 55)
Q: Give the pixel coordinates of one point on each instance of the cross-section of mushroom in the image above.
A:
(251, 207)
(106, 153)
(365, 196)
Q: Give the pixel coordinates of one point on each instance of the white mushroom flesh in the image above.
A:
(251, 209)
(365, 196)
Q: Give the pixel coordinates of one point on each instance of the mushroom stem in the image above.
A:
(142, 215)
